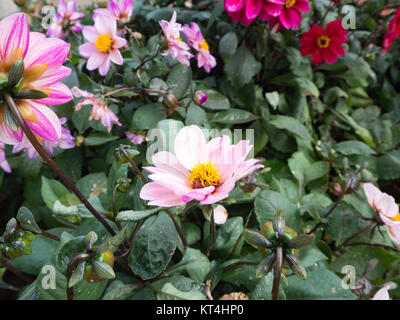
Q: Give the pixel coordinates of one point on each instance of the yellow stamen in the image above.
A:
(103, 43)
(290, 3)
(204, 175)
(179, 39)
(396, 218)
(204, 45)
(323, 41)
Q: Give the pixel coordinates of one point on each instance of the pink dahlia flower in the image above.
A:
(246, 11)
(177, 49)
(103, 45)
(65, 20)
(43, 58)
(121, 10)
(197, 42)
(290, 16)
(392, 33)
(387, 209)
(99, 110)
(200, 171)
(66, 141)
(3, 160)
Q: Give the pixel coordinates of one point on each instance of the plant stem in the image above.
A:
(357, 234)
(114, 206)
(240, 263)
(178, 229)
(72, 263)
(207, 289)
(133, 164)
(212, 231)
(277, 273)
(50, 235)
(16, 271)
(52, 164)
(384, 246)
(331, 5)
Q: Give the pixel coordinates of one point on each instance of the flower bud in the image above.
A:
(256, 239)
(123, 184)
(171, 101)
(300, 241)
(220, 214)
(90, 240)
(20, 3)
(337, 189)
(200, 98)
(296, 266)
(79, 140)
(279, 224)
(265, 266)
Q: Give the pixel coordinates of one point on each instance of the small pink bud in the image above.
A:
(200, 98)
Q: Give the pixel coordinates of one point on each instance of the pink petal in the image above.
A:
(50, 50)
(87, 49)
(105, 25)
(198, 194)
(96, 60)
(48, 126)
(14, 33)
(9, 136)
(116, 57)
(103, 69)
(190, 146)
(60, 94)
(159, 196)
(90, 33)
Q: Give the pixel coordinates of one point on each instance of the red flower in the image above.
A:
(393, 32)
(336, 1)
(324, 44)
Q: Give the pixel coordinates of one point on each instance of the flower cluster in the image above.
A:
(179, 50)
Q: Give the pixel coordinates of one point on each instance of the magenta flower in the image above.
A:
(43, 58)
(197, 42)
(3, 160)
(200, 98)
(387, 209)
(121, 11)
(200, 171)
(177, 49)
(290, 16)
(99, 110)
(103, 45)
(66, 141)
(135, 138)
(246, 11)
(65, 20)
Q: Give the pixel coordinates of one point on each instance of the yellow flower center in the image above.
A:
(290, 3)
(323, 41)
(103, 43)
(178, 39)
(204, 45)
(204, 175)
(396, 218)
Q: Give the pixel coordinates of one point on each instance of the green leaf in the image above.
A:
(153, 246)
(198, 265)
(216, 101)
(147, 116)
(268, 203)
(27, 220)
(353, 147)
(388, 165)
(195, 115)
(293, 126)
(98, 138)
(169, 292)
(233, 116)
(67, 251)
(227, 236)
(53, 190)
(242, 67)
(320, 284)
(77, 274)
(136, 216)
(180, 80)
(228, 45)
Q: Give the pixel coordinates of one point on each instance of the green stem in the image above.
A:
(72, 263)
(51, 163)
(212, 231)
(133, 164)
(277, 273)
(178, 229)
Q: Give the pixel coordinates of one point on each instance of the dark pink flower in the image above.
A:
(392, 33)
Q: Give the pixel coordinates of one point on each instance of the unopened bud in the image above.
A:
(337, 189)
(171, 101)
(79, 140)
(123, 184)
(200, 98)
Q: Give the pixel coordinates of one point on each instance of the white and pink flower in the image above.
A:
(177, 49)
(196, 41)
(66, 141)
(200, 171)
(66, 20)
(99, 110)
(121, 10)
(43, 58)
(103, 46)
(386, 207)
